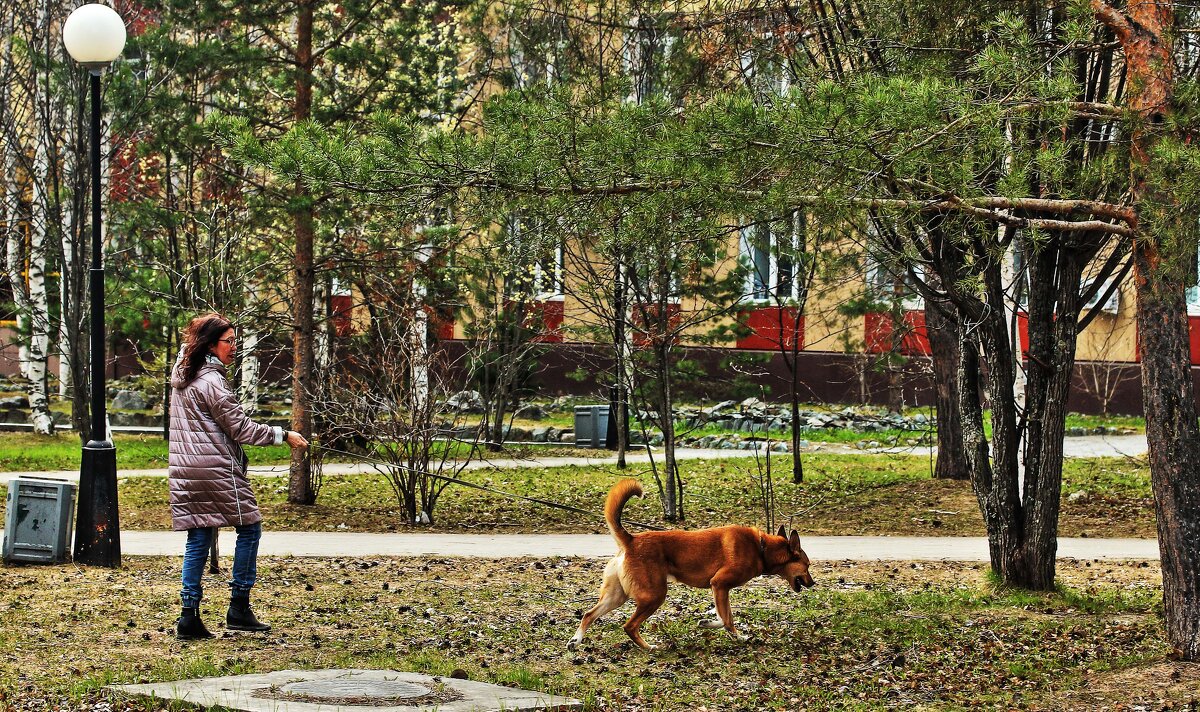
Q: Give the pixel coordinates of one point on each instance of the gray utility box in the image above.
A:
(39, 520)
(591, 426)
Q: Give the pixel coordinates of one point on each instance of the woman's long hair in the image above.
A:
(201, 334)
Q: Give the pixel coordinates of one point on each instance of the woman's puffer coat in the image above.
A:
(207, 468)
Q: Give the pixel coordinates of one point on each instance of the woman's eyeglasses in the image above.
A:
(231, 341)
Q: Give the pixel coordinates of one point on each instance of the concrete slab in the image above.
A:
(346, 690)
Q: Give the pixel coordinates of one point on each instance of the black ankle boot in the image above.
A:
(189, 626)
(240, 617)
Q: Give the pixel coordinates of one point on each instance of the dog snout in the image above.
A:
(801, 582)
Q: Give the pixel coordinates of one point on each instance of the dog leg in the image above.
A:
(612, 595)
(645, 608)
(721, 596)
(713, 622)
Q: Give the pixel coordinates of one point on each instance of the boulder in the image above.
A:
(469, 401)
(719, 407)
(530, 411)
(517, 434)
(14, 416)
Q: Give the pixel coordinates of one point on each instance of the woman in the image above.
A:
(209, 487)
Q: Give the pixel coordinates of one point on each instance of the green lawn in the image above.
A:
(841, 494)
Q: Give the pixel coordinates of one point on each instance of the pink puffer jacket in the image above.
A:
(207, 468)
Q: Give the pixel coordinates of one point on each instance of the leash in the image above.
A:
(485, 488)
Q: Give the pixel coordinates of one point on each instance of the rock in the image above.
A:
(15, 402)
(119, 418)
(129, 400)
(540, 434)
(517, 434)
(530, 411)
(718, 407)
(779, 447)
(1078, 497)
(752, 404)
(469, 401)
(568, 436)
(15, 416)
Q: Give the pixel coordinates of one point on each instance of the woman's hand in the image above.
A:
(295, 439)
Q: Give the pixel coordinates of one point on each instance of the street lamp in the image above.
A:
(94, 36)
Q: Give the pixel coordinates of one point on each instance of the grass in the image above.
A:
(26, 452)
(841, 494)
(870, 636)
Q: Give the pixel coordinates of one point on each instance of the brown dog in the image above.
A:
(721, 558)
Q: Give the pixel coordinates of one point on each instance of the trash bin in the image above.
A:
(591, 426)
(38, 521)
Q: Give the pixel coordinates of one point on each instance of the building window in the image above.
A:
(887, 278)
(770, 250)
(646, 56)
(536, 268)
(1193, 294)
(1112, 305)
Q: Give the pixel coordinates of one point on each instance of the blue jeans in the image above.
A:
(195, 555)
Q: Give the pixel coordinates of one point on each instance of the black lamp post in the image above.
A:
(94, 36)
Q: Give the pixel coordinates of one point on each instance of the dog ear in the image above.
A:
(782, 532)
(794, 541)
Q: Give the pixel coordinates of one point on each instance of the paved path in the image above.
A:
(151, 543)
(819, 548)
(1084, 446)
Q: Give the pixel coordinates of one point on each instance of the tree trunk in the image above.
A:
(944, 347)
(300, 489)
(1168, 396)
(248, 388)
(619, 350)
(794, 395)
(300, 485)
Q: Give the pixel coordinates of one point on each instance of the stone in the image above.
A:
(517, 434)
(468, 401)
(15, 416)
(129, 400)
(530, 411)
(719, 407)
(15, 402)
(1078, 497)
(540, 434)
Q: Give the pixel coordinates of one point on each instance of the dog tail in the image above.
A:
(617, 497)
